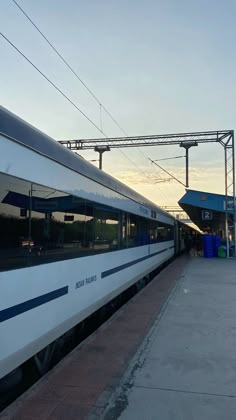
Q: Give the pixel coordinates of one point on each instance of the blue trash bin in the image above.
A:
(208, 246)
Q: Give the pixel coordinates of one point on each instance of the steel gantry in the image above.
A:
(185, 140)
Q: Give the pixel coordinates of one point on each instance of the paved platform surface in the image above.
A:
(81, 385)
(186, 367)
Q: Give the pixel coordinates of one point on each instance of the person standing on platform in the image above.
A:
(188, 244)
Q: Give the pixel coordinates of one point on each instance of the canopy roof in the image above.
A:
(206, 210)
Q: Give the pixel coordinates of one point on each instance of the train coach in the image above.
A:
(72, 239)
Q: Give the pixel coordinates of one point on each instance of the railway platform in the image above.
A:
(168, 354)
(186, 366)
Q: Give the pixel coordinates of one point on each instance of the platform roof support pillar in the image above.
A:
(234, 198)
(101, 150)
(230, 201)
(187, 146)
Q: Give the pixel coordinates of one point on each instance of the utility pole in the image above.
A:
(187, 146)
(101, 150)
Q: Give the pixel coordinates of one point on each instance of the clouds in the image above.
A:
(168, 193)
(134, 177)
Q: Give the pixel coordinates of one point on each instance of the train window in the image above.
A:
(132, 230)
(142, 232)
(106, 228)
(137, 231)
(152, 231)
(165, 232)
(124, 230)
(41, 225)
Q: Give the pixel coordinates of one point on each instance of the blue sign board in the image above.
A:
(230, 205)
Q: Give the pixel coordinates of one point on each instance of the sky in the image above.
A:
(158, 66)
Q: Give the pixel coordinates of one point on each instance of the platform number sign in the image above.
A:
(206, 215)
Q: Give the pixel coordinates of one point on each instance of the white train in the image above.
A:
(72, 238)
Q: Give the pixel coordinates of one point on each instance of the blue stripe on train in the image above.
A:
(129, 264)
(32, 303)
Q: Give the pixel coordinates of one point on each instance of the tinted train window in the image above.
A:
(106, 228)
(40, 225)
(165, 232)
(138, 234)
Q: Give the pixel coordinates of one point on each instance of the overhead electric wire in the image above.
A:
(172, 176)
(170, 158)
(78, 77)
(69, 66)
(51, 83)
(66, 97)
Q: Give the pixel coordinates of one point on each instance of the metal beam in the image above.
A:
(150, 140)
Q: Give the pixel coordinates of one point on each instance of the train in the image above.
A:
(72, 239)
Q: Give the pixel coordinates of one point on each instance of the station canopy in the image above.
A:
(207, 210)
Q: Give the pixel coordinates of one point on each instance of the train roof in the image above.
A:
(22, 132)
